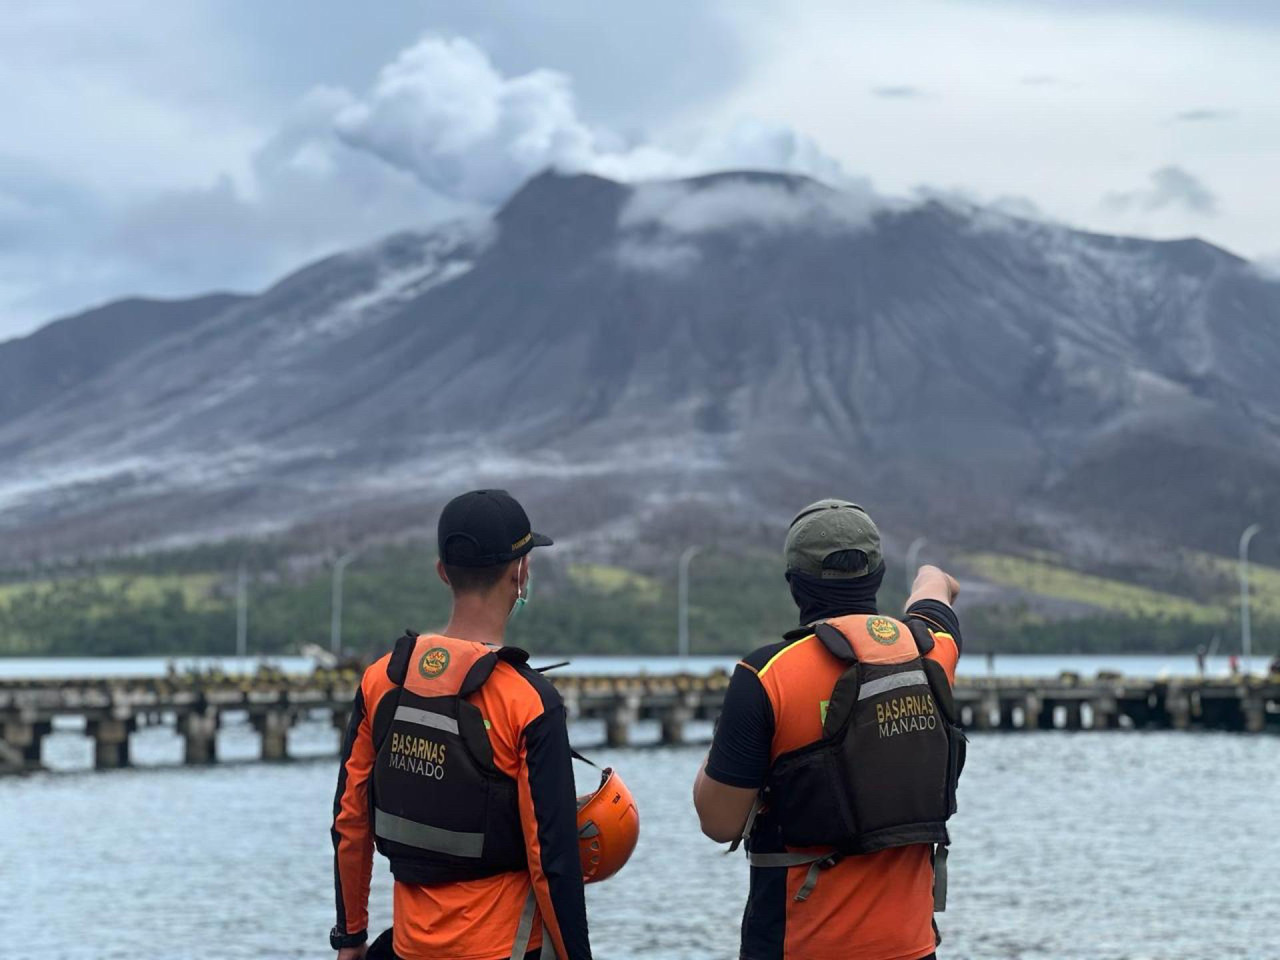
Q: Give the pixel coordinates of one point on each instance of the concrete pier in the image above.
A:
(20, 748)
(200, 736)
(274, 728)
(196, 706)
(110, 741)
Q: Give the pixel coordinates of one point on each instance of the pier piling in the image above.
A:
(200, 733)
(111, 709)
(274, 727)
(110, 737)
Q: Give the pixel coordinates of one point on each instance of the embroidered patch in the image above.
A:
(434, 662)
(883, 630)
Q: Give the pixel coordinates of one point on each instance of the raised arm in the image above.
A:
(933, 583)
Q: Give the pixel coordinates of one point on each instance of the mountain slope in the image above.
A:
(748, 341)
(36, 368)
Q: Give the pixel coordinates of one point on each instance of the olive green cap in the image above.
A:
(827, 527)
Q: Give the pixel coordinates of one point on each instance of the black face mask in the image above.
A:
(820, 598)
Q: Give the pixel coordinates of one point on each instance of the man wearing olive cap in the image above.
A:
(873, 899)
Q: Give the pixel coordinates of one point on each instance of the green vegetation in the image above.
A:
(1044, 579)
(184, 603)
(737, 602)
(1122, 616)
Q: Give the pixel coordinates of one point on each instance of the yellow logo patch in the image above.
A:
(883, 630)
(434, 662)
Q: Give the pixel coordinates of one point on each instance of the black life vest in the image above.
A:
(441, 811)
(884, 773)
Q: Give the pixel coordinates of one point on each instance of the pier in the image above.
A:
(196, 706)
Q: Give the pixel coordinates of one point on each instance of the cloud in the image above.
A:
(440, 133)
(659, 218)
(1268, 267)
(897, 92)
(1170, 187)
(444, 113)
(684, 209)
(656, 255)
(1202, 115)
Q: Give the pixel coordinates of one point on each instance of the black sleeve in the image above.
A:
(744, 733)
(939, 616)
(549, 766)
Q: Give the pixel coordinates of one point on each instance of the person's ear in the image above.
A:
(444, 577)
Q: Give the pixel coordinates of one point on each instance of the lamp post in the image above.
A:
(1246, 636)
(335, 609)
(913, 555)
(683, 598)
(242, 611)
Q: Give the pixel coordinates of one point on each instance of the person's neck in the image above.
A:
(478, 619)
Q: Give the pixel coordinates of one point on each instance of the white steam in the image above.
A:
(442, 112)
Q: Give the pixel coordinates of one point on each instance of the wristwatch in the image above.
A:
(338, 940)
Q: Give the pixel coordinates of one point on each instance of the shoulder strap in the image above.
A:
(483, 668)
(872, 638)
(835, 641)
(920, 632)
(398, 665)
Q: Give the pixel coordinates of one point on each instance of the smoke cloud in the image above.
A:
(1170, 187)
(443, 113)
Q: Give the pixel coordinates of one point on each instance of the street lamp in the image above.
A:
(242, 611)
(1246, 636)
(335, 614)
(683, 594)
(913, 555)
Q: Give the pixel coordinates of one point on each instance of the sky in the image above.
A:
(166, 149)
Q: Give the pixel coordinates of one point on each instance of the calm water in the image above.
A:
(1107, 845)
(1121, 845)
(1005, 665)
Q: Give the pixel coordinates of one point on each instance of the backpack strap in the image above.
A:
(398, 665)
(920, 631)
(837, 643)
(483, 668)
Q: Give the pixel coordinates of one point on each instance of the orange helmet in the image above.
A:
(608, 827)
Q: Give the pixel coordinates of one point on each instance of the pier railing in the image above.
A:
(197, 705)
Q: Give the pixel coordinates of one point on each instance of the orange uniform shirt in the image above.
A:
(477, 919)
(876, 906)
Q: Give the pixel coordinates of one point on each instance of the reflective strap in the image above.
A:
(746, 827)
(939, 878)
(810, 881)
(817, 863)
(425, 837)
(785, 859)
(548, 946)
(425, 718)
(525, 930)
(911, 678)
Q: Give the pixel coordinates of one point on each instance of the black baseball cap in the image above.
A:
(484, 528)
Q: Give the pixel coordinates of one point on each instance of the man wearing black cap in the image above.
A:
(842, 863)
(456, 765)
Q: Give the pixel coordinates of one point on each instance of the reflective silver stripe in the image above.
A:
(426, 837)
(525, 930)
(426, 718)
(548, 945)
(912, 678)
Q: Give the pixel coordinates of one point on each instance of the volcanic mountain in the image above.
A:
(634, 359)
